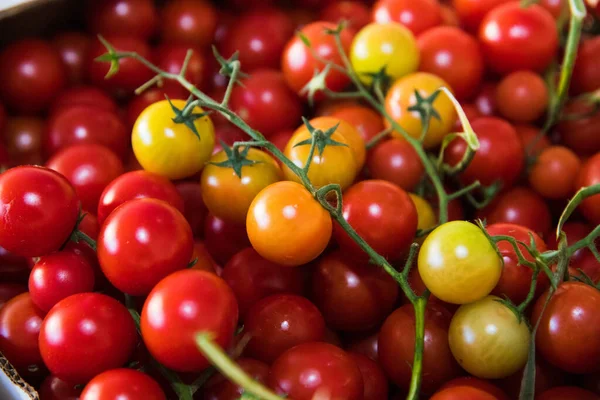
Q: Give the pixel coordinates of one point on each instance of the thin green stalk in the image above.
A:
(417, 366)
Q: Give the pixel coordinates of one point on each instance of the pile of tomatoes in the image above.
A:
(131, 223)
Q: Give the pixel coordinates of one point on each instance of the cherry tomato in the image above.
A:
(471, 12)
(376, 47)
(252, 278)
(351, 295)
(9, 291)
(137, 18)
(179, 307)
(20, 323)
(189, 22)
(220, 388)
(227, 195)
(485, 101)
(170, 57)
(168, 148)
(487, 339)
(531, 140)
(142, 242)
(336, 374)
(416, 15)
(590, 175)
(514, 38)
(454, 56)
(137, 185)
(355, 13)
(299, 65)
(365, 120)
(458, 264)
(194, 209)
(89, 324)
(585, 75)
(374, 380)
(224, 239)
(31, 75)
(397, 346)
(500, 156)
(39, 209)
(522, 96)
(286, 225)
(266, 103)
(449, 15)
(204, 260)
(54, 388)
(23, 139)
(382, 204)
(365, 344)
(73, 47)
(139, 103)
(395, 161)
(260, 37)
(426, 218)
(84, 95)
(568, 332)
(122, 384)
(567, 392)
(401, 97)
(581, 132)
(469, 388)
(84, 124)
(554, 172)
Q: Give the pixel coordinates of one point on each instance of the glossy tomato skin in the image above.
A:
(220, 388)
(590, 175)
(73, 48)
(416, 15)
(567, 392)
(298, 64)
(469, 388)
(266, 103)
(351, 295)
(581, 134)
(189, 22)
(515, 38)
(485, 100)
(85, 124)
(40, 208)
(286, 225)
(374, 380)
(472, 12)
(23, 137)
(568, 332)
(122, 384)
(9, 291)
(20, 322)
(339, 374)
(57, 276)
(137, 185)
(54, 388)
(499, 158)
(142, 242)
(396, 161)
(84, 95)
(555, 172)
(278, 323)
(89, 168)
(397, 342)
(252, 278)
(585, 75)
(522, 96)
(31, 75)
(365, 120)
(179, 307)
(137, 18)
(87, 323)
(454, 56)
(224, 239)
(194, 209)
(355, 13)
(393, 213)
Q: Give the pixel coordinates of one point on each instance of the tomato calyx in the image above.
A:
(424, 107)
(186, 116)
(230, 68)
(319, 139)
(316, 84)
(236, 158)
(111, 56)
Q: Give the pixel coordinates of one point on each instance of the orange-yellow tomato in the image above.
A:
(287, 226)
(425, 214)
(401, 97)
(349, 132)
(227, 195)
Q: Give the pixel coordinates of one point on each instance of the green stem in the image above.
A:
(374, 141)
(232, 82)
(530, 296)
(417, 366)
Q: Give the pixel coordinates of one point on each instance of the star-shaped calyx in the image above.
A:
(227, 65)
(317, 83)
(188, 118)
(236, 158)
(424, 106)
(321, 139)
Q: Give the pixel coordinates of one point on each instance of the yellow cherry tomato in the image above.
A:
(425, 214)
(171, 149)
(228, 196)
(401, 97)
(388, 45)
(487, 339)
(458, 264)
(287, 226)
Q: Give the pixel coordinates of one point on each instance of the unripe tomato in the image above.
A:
(171, 149)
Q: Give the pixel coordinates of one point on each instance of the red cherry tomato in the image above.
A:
(73, 48)
(122, 384)
(54, 388)
(221, 388)
(555, 7)
(367, 122)
(471, 12)
(485, 101)
(416, 15)
(31, 75)
(181, 306)
(567, 392)
(137, 18)
(139, 103)
(581, 132)
(191, 22)
(586, 75)
(395, 161)
(522, 96)
(39, 209)
(374, 379)
(530, 137)
(517, 38)
(23, 138)
(194, 209)
(365, 345)
(142, 242)
(84, 95)
(87, 323)
(224, 239)
(170, 57)
(590, 175)
(9, 291)
(554, 173)
(355, 13)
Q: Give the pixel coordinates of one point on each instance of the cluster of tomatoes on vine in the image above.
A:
(131, 223)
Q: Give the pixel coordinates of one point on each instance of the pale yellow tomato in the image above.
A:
(487, 339)
(171, 149)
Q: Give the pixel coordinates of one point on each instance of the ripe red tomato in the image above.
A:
(355, 13)
(581, 133)
(142, 242)
(374, 379)
(84, 95)
(179, 307)
(586, 77)
(169, 57)
(266, 103)
(9, 291)
(58, 276)
(39, 209)
(567, 392)
(416, 15)
(554, 173)
(122, 383)
(522, 96)
(365, 120)
(395, 161)
(339, 376)
(31, 75)
(555, 7)
(87, 323)
(23, 138)
(137, 18)
(590, 175)
(485, 101)
(299, 65)
(469, 388)
(190, 22)
(528, 134)
(454, 56)
(382, 204)
(137, 185)
(224, 239)
(194, 209)
(204, 260)
(54, 388)
(471, 12)
(514, 38)
(73, 47)
(499, 158)
(220, 388)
